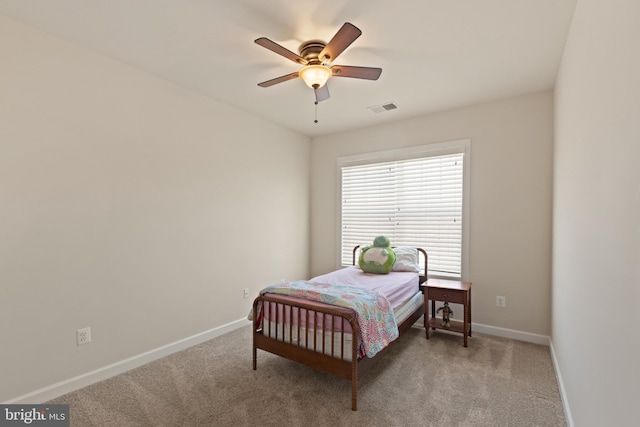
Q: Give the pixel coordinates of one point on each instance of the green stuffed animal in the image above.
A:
(379, 258)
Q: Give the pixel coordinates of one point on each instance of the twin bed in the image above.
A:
(342, 322)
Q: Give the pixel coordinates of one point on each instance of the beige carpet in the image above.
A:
(493, 382)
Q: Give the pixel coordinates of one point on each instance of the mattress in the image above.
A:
(397, 286)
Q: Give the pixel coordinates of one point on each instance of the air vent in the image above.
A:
(383, 107)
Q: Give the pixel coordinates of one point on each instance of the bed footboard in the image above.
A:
(322, 337)
(330, 344)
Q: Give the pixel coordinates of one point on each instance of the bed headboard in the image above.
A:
(422, 274)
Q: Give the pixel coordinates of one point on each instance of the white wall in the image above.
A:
(511, 181)
(596, 239)
(132, 206)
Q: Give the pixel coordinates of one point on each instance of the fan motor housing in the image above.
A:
(310, 50)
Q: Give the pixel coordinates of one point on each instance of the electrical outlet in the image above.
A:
(246, 292)
(501, 301)
(83, 336)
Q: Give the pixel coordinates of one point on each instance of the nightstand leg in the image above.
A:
(426, 313)
(433, 310)
(466, 328)
(466, 325)
(425, 323)
(469, 303)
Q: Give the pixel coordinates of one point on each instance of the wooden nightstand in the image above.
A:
(451, 291)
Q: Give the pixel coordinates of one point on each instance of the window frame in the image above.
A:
(462, 146)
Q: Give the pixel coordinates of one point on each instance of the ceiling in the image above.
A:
(435, 54)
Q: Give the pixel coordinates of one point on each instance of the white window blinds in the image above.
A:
(415, 202)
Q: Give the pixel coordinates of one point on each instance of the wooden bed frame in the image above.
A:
(313, 354)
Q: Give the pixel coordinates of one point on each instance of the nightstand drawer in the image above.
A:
(454, 296)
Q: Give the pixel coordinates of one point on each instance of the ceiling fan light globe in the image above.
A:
(315, 76)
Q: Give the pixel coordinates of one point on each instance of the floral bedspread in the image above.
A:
(376, 322)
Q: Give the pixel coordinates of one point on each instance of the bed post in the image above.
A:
(253, 334)
(354, 368)
(354, 394)
(255, 353)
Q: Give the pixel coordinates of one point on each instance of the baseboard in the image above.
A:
(563, 392)
(67, 386)
(510, 333)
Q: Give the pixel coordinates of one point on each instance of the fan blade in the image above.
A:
(278, 80)
(367, 73)
(322, 93)
(275, 47)
(343, 38)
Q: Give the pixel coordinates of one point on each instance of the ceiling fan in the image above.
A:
(317, 58)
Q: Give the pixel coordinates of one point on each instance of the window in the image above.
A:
(415, 197)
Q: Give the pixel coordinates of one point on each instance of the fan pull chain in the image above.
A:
(316, 118)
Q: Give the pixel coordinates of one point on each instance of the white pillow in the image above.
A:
(406, 259)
